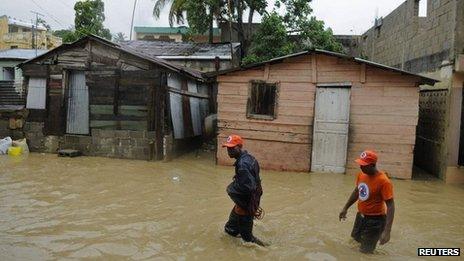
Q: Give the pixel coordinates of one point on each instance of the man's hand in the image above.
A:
(342, 215)
(385, 237)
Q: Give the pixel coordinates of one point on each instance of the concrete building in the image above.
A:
(15, 34)
(429, 42)
(318, 110)
(172, 34)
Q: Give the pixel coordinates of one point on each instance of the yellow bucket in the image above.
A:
(15, 151)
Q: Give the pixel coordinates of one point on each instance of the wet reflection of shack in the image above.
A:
(109, 100)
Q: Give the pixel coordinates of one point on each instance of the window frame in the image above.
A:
(254, 116)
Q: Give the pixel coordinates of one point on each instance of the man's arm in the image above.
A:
(351, 200)
(244, 181)
(385, 237)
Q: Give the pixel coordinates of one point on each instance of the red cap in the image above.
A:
(232, 141)
(368, 157)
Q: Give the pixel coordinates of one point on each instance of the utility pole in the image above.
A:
(230, 33)
(132, 23)
(35, 31)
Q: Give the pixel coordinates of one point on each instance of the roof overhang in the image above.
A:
(424, 80)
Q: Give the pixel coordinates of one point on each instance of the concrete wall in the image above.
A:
(104, 143)
(430, 46)
(417, 44)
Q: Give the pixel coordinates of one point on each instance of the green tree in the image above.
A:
(89, 19)
(201, 14)
(310, 31)
(270, 40)
(176, 11)
(296, 30)
(119, 37)
(66, 35)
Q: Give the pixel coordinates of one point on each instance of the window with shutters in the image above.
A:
(262, 100)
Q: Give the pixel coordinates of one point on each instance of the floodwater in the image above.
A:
(99, 208)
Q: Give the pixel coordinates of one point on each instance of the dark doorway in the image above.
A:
(461, 139)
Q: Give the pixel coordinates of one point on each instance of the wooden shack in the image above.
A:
(109, 100)
(318, 110)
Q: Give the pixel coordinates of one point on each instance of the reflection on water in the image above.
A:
(108, 208)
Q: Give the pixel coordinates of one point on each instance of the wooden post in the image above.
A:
(116, 98)
(186, 113)
(363, 73)
(314, 68)
(157, 106)
(266, 72)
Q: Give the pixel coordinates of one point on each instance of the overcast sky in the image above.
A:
(343, 16)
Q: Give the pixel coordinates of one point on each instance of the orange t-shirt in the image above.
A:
(373, 192)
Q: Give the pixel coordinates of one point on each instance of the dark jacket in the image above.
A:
(245, 189)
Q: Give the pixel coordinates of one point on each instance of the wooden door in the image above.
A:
(78, 104)
(330, 135)
(54, 123)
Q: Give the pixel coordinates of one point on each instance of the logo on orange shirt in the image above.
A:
(363, 191)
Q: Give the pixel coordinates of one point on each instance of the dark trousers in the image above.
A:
(367, 230)
(239, 224)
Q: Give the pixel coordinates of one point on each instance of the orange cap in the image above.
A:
(232, 141)
(368, 157)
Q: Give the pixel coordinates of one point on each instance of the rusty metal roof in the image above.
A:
(184, 50)
(158, 61)
(424, 80)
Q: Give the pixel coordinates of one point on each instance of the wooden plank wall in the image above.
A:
(384, 116)
(284, 143)
(384, 109)
(120, 85)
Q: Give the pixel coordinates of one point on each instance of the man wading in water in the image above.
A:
(376, 208)
(245, 190)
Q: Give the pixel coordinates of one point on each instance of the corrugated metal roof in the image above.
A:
(168, 30)
(182, 49)
(20, 54)
(424, 80)
(161, 62)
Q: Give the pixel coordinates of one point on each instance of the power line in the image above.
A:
(66, 4)
(51, 16)
(34, 31)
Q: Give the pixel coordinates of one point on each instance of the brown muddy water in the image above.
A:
(99, 208)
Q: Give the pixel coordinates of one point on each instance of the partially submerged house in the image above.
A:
(318, 110)
(201, 56)
(111, 100)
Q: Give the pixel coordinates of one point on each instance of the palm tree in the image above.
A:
(119, 37)
(176, 12)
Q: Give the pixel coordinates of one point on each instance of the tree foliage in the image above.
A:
(89, 19)
(119, 37)
(201, 14)
(270, 40)
(302, 32)
(66, 35)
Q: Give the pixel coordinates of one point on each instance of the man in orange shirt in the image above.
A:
(376, 208)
